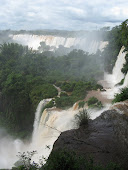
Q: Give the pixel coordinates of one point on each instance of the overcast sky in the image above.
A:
(62, 14)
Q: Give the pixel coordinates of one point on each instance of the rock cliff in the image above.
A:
(105, 139)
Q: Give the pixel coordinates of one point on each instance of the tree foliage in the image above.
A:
(26, 77)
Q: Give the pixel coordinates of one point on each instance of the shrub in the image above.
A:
(50, 104)
(40, 92)
(120, 83)
(63, 101)
(123, 95)
(62, 159)
(25, 161)
(92, 100)
(82, 118)
(99, 105)
(97, 86)
(63, 94)
(68, 87)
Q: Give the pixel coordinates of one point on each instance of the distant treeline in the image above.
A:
(95, 34)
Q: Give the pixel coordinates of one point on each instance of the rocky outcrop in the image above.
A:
(105, 139)
(119, 123)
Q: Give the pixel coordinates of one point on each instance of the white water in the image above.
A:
(52, 123)
(117, 73)
(33, 41)
(46, 131)
(110, 80)
(94, 113)
(38, 112)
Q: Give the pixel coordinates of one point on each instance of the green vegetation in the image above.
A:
(124, 34)
(26, 77)
(117, 38)
(78, 92)
(62, 159)
(123, 95)
(112, 50)
(94, 102)
(63, 101)
(67, 86)
(81, 104)
(50, 104)
(120, 83)
(43, 91)
(82, 118)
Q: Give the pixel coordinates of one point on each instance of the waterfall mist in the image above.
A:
(46, 130)
(9, 149)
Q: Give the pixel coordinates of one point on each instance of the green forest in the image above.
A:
(27, 77)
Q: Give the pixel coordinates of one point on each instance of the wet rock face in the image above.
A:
(105, 139)
(119, 123)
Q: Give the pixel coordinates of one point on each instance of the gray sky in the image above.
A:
(62, 14)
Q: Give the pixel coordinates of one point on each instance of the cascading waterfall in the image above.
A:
(112, 79)
(33, 41)
(117, 73)
(38, 112)
(10, 147)
(52, 123)
(47, 129)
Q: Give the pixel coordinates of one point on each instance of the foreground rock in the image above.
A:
(105, 139)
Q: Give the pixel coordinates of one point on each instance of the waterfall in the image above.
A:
(110, 80)
(117, 73)
(52, 123)
(102, 45)
(33, 41)
(38, 112)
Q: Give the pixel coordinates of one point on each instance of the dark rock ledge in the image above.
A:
(105, 139)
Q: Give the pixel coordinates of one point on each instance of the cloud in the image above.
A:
(62, 14)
